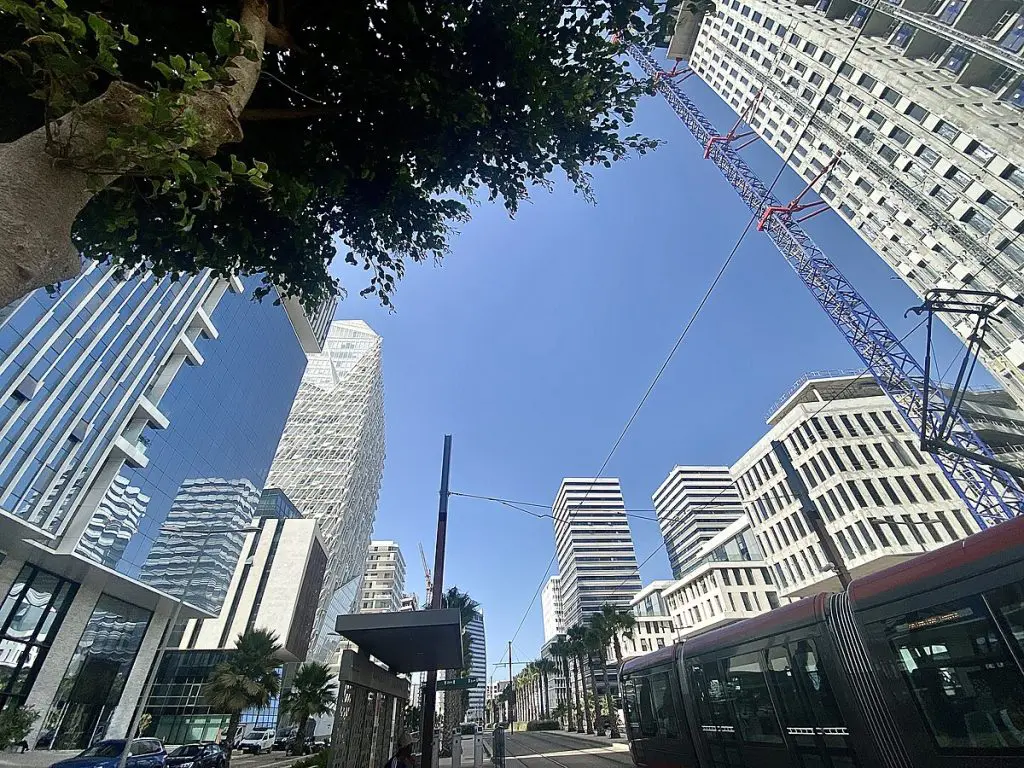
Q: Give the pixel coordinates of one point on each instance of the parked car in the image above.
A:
(284, 739)
(197, 755)
(257, 740)
(142, 753)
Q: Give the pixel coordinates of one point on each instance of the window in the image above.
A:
(755, 714)
(864, 136)
(960, 673)
(30, 616)
(946, 131)
(805, 695)
(900, 136)
(917, 112)
(891, 96)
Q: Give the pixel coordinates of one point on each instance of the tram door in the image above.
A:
(815, 727)
(711, 700)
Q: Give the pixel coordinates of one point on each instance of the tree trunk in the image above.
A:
(613, 732)
(44, 183)
(618, 685)
(587, 715)
(546, 697)
(579, 701)
(570, 724)
(597, 699)
(232, 732)
(298, 745)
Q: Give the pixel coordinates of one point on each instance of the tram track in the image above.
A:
(623, 758)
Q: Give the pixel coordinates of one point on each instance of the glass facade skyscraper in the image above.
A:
(331, 459)
(128, 408)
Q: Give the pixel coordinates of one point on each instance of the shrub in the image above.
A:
(543, 725)
(15, 723)
(320, 760)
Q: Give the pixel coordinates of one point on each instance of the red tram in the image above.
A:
(917, 666)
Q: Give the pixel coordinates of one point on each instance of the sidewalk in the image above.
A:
(37, 758)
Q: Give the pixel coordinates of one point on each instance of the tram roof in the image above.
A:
(999, 545)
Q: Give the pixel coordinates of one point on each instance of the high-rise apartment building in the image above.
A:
(654, 627)
(331, 459)
(882, 500)
(383, 579)
(551, 607)
(477, 667)
(118, 398)
(916, 130)
(594, 546)
(694, 504)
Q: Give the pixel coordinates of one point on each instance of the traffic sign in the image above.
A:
(457, 683)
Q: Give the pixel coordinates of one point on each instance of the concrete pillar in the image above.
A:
(122, 716)
(44, 689)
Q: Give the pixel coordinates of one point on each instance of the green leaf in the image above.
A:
(164, 70)
(237, 166)
(178, 62)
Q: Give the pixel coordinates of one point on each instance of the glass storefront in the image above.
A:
(30, 616)
(96, 675)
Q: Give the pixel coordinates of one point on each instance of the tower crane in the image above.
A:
(990, 494)
(426, 576)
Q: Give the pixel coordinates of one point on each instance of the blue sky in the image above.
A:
(536, 338)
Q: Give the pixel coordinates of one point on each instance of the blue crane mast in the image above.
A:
(990, 494)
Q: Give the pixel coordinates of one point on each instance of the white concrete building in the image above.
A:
(477, 667)
(881, 498)
(410, 602)
(275, 586)
(694, 503)
(383, 579)
(330, 461)
(654, 626)
(926, 113)
(594, 546)
(551, 607)
(731, 582)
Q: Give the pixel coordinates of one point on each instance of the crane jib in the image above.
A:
(990, 494)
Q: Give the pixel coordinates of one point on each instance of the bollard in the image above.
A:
(478, 750)
(456, 748)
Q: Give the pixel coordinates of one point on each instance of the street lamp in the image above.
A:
(168, 628)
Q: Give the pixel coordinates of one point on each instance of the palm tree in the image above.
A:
(313, 693)
(457, 702)
(618, 623)
(561, 650)
(544, 668)
(577, 635)
(592, 644)
(603, 633)
(248, 678)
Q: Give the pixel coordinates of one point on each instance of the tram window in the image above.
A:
(632, 706)
(664, 705)
(1008, 602)
(814, 683)
(962, 676)
(748, 687)
(648, 722)
(711, 697)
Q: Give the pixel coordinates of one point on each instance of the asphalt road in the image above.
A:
(550, 749)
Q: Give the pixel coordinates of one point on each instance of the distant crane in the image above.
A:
(989, 492)
(426, 575)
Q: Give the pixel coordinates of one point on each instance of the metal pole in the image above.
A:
(430, 687)
(512, 692)
(162, 646)
(810, 510)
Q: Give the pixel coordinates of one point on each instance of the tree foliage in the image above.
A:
(313, 693)
(15, 724)
(372, 124)
(248, 678)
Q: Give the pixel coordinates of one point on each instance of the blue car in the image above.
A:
(143, 753)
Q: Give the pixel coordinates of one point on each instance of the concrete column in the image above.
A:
(44, 689)
(121, 719)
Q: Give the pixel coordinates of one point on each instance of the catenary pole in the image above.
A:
(430, 688)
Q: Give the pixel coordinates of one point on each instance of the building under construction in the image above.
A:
(906, 117)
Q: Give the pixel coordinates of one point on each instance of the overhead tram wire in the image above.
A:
(824, 405)
(714, 283)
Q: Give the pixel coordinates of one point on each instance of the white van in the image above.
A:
(257, 740)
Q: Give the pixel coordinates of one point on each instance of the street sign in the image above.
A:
(457, 683)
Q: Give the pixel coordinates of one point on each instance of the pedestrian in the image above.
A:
(403, 755)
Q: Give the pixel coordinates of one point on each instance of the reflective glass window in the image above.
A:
(748, 688)
(962, 676)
